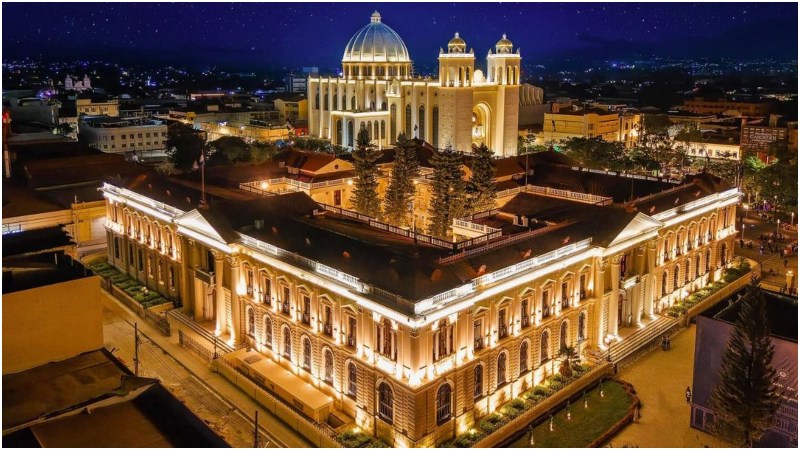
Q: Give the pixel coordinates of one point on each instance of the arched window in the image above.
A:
(369, 129)
(708, 261)
(393, 122)
(352, 380)
(385, 403)
(353, 103)
(350, 133)
(307, 354)
(325, 102)
(664, 280)
(564, 337)
(697, 263)
(675, 277)
(251, 322)
(444, 403)
(339, 132)
(478, 392)
(523, 357)
(383, 127)
(267, 331)
(501, 369)
(317, 103)
(582, 327)
(342, 102)
(408, 122)
(287, 343)
(328, 366)
(421, 121)
(435, 127)
(723, 255)
(544, 351)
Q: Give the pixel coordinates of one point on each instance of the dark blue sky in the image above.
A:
(261, 35)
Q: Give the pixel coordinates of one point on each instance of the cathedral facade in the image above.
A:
(379, 92)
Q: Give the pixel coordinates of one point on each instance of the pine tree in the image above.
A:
(401, 188)
(481, 183)
(448, 192)
(745, 398)
(365, 191)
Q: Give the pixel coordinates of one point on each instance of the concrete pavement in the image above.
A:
(224, 407)
(660, 379)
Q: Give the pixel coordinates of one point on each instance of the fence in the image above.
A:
(716, 297)
(194, 346)
(158, 320)
(522, 421)
(319, 434)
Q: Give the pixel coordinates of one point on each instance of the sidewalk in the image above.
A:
(660, 379)
(224, 407)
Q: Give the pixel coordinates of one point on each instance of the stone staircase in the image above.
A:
(188, 322)
(642, 339)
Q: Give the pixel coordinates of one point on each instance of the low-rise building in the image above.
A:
(124, 135)
(97, 107)
(292, 108)
(611, 126)
(729, 106)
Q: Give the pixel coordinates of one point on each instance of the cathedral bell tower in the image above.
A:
(456, 67)
(503, 65)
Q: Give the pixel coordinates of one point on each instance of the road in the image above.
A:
(225, 409)
(755, 228)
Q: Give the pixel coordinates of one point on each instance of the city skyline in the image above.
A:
(258, 36)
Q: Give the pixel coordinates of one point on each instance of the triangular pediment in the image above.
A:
(638, 226)
(196, 222)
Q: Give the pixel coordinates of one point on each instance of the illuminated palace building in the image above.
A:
(378, 91)
(412, 338)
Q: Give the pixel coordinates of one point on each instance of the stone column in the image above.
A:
(598, 291)
(636, 297)
(219, 294)
(649, 287)
(613, 301)
(236, 320)
(187, 280)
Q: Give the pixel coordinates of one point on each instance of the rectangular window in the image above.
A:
(351, 331)
(337, 197)
(524, 314)
(502, 327)
(266, 289)
(477, 334)
(306, 316)
(564, 295)
(285, 300)
(327, 324)
(545, 304)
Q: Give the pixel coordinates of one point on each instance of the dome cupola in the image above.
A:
(504, 45)
(456, 45)
(375, 42)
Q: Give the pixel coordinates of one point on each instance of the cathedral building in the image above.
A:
(378, 91)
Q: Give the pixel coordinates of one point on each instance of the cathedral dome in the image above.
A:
(504, 45)
(376, 42)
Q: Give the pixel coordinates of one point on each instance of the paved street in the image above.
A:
(225, 408)
(769, 260)
(660, 379)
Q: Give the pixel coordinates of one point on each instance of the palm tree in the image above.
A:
(569, 354)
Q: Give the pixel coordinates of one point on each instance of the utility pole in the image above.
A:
(136, 349)
(255, 432)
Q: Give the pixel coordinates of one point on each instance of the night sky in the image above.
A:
(276, 35)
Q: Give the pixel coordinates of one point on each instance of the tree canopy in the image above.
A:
(482, 189)
(448, 191)
(365, 190)
(745, 398)
(401, 189)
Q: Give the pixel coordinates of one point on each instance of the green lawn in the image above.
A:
(585, 424)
